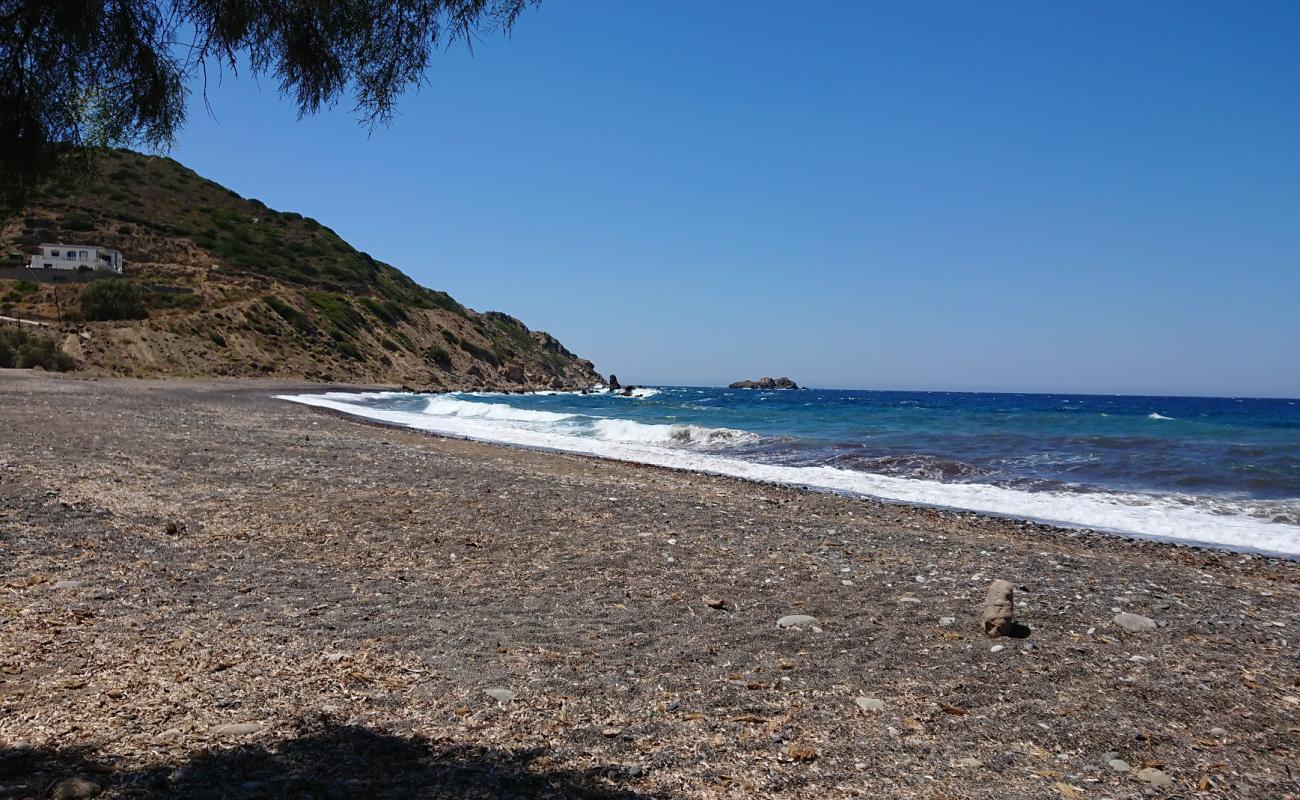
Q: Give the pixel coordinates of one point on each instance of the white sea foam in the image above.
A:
(1172, 518)
(441, 406)
(1157, 415)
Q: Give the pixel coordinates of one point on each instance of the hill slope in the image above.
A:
(236, 288)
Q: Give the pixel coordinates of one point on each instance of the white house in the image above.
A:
(76, 256)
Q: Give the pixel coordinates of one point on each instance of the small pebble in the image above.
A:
(1134, 623)
(870, 704)
(1218, 733)
(970, 762)
(1118, 764)
(1154, 777)
(997, 648)
(796, 621)
(500, 695)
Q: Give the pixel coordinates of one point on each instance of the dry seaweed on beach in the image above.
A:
(210, 593)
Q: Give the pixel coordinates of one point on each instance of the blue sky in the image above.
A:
(1092, 197)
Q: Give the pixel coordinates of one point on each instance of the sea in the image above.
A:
(1220, 472)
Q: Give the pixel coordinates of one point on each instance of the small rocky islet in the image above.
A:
(765, 383)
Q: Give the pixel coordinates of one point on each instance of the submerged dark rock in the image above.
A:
(765, 383)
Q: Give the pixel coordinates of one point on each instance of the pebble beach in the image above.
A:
(211, 593)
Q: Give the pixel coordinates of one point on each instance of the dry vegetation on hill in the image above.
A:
(233, 287)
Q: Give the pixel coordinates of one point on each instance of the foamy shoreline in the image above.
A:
(1132, 514)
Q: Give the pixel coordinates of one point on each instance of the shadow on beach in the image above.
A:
(324, 762)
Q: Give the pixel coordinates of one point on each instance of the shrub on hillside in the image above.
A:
(439, 356)
(112, 299)
(24, 349)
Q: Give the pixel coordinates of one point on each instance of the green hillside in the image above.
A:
(234, 287)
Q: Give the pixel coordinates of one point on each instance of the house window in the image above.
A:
(84, 254)
(71, 255)
(54, 254)
(48, 265)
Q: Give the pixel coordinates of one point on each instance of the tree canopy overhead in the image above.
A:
(78, 74)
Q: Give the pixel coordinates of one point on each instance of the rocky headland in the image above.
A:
(223, 285)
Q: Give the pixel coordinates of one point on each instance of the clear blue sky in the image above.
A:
(1093, 197)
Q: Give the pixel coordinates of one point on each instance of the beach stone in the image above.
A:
(795, 621)
(1118, 764)
(500, 695)
(1154, 777)
(997, 648)
(237, 729)
(999, 608)
(1134, 623)
(870, 703)
(1218, 733)
(75, 789)
(68, 585)
(970, 762)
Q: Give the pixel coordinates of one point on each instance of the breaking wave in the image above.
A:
(625, 430)
(441, 406)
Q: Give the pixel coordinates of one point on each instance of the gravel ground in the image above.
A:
(205, 592)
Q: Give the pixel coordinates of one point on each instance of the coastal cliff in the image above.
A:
(234, 288)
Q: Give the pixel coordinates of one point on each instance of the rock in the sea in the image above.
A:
(75, 789)
(1134, 623)
(614, 385)
(237, 729)
(1154, 777)
(999, 609)
(796, 621)
(764, 383)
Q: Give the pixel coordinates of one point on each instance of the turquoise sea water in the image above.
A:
(1223, 471)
